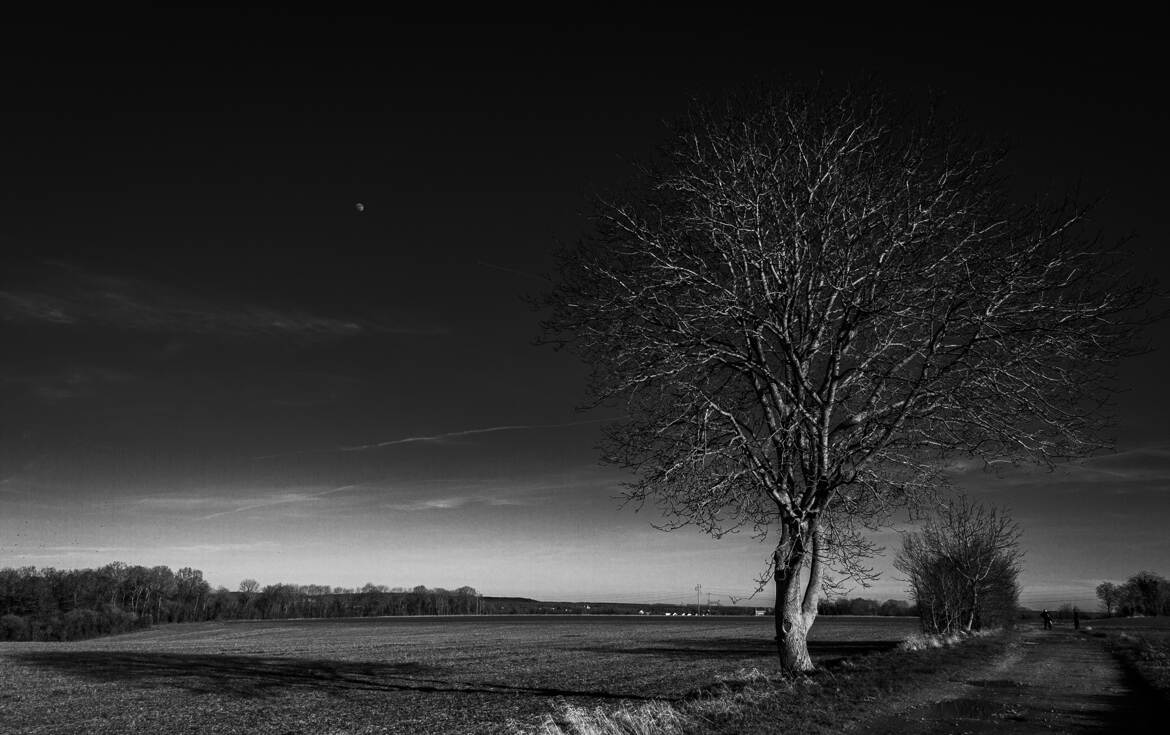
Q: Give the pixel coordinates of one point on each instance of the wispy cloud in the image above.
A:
(109, 553)
(1141, 463)
(204, 506)
(366, 499)
(453, 503)
(457, 493)
(68, 295)
(1129, 470)
(69, 383)
(17, 481)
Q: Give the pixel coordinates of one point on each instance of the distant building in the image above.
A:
(761, 612)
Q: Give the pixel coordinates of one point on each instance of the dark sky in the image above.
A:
(210, 357)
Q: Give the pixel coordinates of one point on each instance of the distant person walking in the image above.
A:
(1047, 618)
(1076, 619)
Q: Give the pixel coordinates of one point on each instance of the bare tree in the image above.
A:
(1146, 592)
(806, 301)
(1110, 595)
(962, 568)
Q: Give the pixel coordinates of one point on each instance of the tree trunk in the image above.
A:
(796, 601)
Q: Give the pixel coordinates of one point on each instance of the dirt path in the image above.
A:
(1054, 681)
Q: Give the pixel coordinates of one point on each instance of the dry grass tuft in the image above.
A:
(733, 695)
(651, 718)
(922, 641)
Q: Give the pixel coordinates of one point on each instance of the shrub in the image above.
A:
(80, 624)
(962, 567)
(13, 628)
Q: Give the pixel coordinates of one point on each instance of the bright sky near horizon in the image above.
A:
(212, 357)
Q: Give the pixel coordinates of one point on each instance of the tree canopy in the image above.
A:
(807, 300)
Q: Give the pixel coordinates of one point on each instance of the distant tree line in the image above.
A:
(61, 605)
(1145, 593)
(863, 606)
(277, 601)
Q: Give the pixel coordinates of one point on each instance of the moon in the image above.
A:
(360, 207)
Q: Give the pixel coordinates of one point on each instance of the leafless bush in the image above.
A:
(962, 568)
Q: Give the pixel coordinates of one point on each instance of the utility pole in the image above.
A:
(698, 599)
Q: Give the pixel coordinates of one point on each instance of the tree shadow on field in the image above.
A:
(259, 676)
(738, 648)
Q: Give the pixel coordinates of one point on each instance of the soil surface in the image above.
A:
(1049, 681)
(414, 676)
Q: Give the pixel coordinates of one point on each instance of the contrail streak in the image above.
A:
(437, 437)
(517, 271)
(466, 432)
(280, 500)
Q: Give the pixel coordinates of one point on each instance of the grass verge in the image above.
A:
(751, 701)
(1147, 654)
